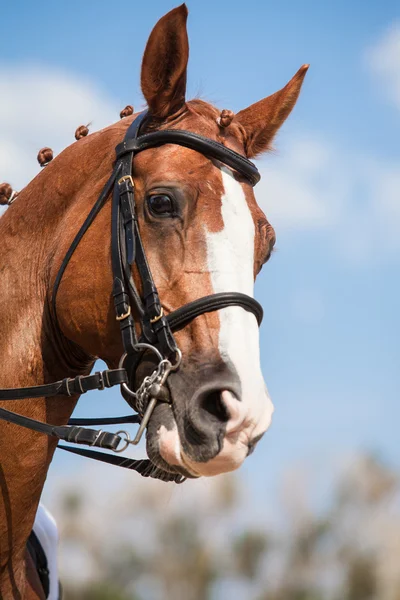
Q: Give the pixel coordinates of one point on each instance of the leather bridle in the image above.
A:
(156, 328)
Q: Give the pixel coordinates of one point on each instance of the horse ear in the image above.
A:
(262, 120)
(164, 64)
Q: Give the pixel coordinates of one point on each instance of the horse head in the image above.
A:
(203, 233)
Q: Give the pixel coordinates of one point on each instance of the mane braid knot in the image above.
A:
(45, 155)
(82, 131)
(226, 117)
(7, 194)
(127, 111)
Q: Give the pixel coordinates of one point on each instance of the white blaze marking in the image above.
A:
(230, 254)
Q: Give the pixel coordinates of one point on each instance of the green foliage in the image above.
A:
(361, 579)
(249, 549)
(99, 591)
(71, 503)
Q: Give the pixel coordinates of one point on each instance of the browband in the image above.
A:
(194, 141)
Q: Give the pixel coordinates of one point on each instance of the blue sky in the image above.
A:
(331, 189)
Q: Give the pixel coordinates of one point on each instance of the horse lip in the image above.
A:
(182, 470)
(188, 467)
(181, 467)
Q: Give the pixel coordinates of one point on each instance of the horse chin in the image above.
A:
(163, 419)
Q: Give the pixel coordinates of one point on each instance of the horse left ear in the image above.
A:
(164, 65)
(262, 120)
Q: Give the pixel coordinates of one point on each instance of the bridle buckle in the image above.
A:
(158, 317)
(126, 178)
(124, 315)
(102, 384)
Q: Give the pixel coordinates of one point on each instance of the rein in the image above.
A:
(156, 328)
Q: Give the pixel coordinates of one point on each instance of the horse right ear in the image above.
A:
(262, 120)
(164, 65)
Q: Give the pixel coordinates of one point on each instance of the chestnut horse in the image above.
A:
(203, 233)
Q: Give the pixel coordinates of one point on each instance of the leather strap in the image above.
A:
(106, 420)
(145, 467)
(126, 248)
(182, 316)
(194, 141)
(69, 386)
(75, 435)
(137, 123)
(122, 302)
(84, 227)
(155, 326)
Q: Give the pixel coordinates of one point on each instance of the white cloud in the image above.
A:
(290, 191)
(354, 200)
(383, 59)
(40, 106)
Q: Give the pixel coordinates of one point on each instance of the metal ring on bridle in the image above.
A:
(140, 345)
(175, 366)
(127, 441)
(145, 347)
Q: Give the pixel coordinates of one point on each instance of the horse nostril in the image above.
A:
(212, 403)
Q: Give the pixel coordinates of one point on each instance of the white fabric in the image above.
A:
(46, 530)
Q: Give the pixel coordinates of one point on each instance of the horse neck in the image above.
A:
(32, 350)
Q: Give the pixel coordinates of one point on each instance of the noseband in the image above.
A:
(157, 329)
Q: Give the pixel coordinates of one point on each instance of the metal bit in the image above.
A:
(144, 421)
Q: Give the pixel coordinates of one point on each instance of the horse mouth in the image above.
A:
(161, 464)
(162, 416)
(158, 461)
(188, 468)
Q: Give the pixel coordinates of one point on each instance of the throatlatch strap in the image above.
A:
(84, 227)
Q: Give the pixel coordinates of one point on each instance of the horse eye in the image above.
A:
(161, 205)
